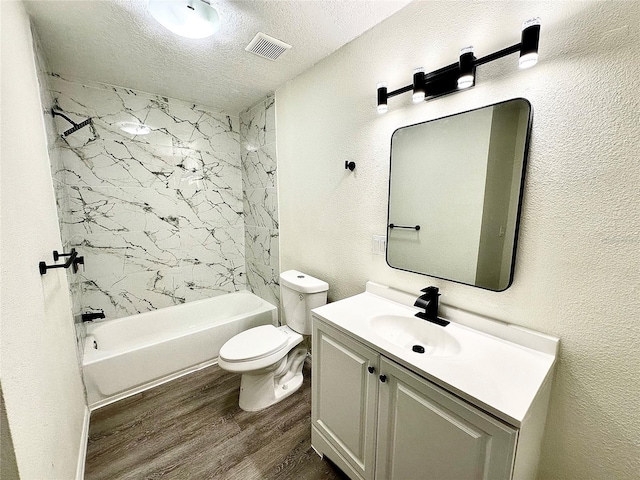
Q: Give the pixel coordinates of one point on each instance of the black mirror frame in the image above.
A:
(520, 196)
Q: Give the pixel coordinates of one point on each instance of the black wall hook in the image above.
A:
(349, 165)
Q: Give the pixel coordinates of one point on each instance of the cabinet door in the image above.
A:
(345, 396)
(427, 433)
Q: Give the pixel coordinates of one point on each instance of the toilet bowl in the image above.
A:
(266, 356)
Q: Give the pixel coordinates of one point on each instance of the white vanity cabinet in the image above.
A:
(395, 397)
(378, 420)
(425, 432)
(345, 397)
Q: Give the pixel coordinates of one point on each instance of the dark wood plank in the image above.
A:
(192, 427)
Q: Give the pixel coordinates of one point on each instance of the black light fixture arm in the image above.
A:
(499, 54)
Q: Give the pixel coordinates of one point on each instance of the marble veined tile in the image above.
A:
(111, 127)
(93, 98)
(212, 130)
(259, 168)
(100, 209)
(57, 165)
(196, 208)
(211, 245)
(160, 216)
(211, 136)
(261, 208)
(204, 281)
(172, 122)
(206, 171)
(264, 282)
(151, 250)
(103, 253)
(257, 125)
(117, 163)
(124, 295)
(75, 288)
(270, 113)
(262, 246)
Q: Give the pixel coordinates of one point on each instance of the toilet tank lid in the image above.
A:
(301, 282)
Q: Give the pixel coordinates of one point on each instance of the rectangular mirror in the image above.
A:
(455, 191)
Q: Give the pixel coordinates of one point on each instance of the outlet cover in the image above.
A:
(379, 245)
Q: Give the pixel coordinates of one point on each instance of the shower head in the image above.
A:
(76, 126)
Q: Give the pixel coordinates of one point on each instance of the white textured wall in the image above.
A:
(577, 272)
(41, 380)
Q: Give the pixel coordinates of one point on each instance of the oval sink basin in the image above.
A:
(410, 332)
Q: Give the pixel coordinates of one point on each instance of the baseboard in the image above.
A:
(84, 439)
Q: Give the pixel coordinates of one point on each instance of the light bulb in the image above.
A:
(528, 60)
(465, 81)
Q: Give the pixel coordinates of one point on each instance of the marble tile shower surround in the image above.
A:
(158, 217)
(260, 201)
(55, 159)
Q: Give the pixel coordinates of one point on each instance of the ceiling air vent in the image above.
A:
(267, 47)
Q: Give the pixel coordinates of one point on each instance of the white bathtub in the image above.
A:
(127, 355)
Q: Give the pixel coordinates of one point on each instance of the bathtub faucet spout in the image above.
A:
(90, 316)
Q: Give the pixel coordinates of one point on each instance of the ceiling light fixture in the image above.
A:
(461, 75)
(187, 18)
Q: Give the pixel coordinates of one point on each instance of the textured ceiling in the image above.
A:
(119, 43)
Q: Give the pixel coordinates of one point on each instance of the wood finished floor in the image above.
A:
(193, 428)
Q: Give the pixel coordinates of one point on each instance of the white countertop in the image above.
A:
(497, 375)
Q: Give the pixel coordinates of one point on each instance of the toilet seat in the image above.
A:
(256, 348)
(253, 344)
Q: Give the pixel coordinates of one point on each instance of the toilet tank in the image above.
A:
(299, 293)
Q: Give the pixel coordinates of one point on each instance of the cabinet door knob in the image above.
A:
(383, 378)
(371, 369)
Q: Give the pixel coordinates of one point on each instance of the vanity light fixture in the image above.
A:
(419, 85)
(187, 18)
(461, 75)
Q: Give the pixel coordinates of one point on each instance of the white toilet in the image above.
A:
(270, 365)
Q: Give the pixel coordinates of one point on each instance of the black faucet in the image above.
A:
(90, 316)
(429, 301)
